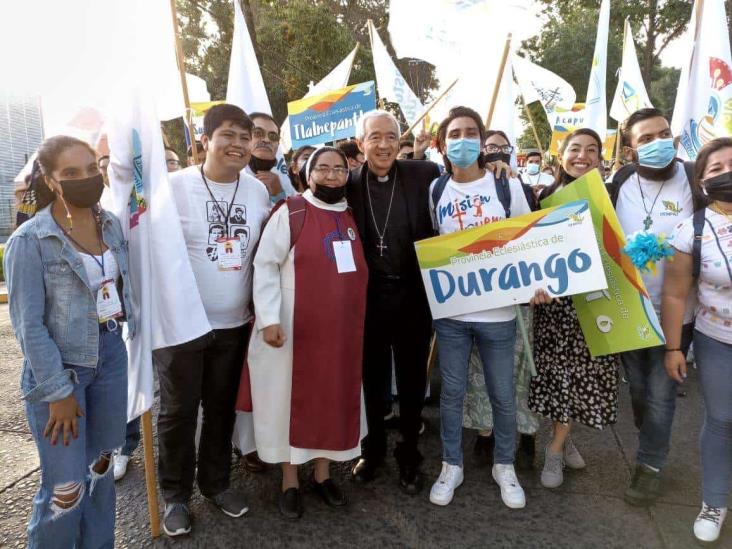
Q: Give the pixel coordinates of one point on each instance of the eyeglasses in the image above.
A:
(172, 162)
(261, 133)
(325, 170)
(508, 149)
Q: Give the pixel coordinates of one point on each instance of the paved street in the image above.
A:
(587, 511)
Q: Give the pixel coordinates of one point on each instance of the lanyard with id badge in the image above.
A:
(228, 248)
(343, 250)
(109, 306)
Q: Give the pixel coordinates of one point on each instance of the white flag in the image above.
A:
(630, 95)
(539, 84)
(335, 79)
(245, 87)
(166, 302)
(389, 81)
(703, 108)
(595, 104)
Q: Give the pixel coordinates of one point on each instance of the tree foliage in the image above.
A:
(297, 42)
(566, 45)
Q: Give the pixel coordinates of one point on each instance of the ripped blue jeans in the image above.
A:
(75, 504)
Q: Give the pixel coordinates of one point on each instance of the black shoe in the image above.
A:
(644, 488)
(365, 470)
(483, 448)
(411, 479)
(253, 464)
(526, 452)
(329, 492)
(290, 503)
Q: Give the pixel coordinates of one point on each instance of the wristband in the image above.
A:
(672, 350)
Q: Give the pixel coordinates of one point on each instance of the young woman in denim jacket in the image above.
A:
(74, 378)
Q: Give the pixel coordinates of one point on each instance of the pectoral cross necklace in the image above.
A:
(648, 221)
(380, 233)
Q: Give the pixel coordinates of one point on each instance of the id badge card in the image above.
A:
(344, 256)
(229, 253)
(108, 304)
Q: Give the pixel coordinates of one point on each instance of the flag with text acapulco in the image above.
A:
(329, 116)
(504, 263)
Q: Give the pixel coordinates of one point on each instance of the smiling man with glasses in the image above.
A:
(264, 163)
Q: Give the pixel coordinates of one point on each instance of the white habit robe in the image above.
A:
(270, 368)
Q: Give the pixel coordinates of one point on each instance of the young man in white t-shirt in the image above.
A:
(470, 198)
(533, 176)
(655, 197)
(221, 212)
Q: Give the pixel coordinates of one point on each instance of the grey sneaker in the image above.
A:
(572, 457)
(177, 520)
(230, 502)
(552, 475)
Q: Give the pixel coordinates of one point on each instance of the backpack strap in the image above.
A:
(438, 189)
(620, 177)
(689, 169)
(503, 190)
(297, 206)
(698, 223)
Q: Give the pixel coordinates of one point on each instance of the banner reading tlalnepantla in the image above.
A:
(622, 317)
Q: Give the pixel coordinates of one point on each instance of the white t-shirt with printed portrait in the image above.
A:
(714, 288)
(226, 295)
(467, 205)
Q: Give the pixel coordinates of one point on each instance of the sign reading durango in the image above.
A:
(504, 263)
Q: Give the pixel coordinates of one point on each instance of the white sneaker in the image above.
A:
(709, 522)
(511, 492)
(444, 488)
(120, 465)
(572, 458)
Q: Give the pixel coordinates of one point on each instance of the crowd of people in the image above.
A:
(310, 281)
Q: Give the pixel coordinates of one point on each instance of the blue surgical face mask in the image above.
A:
(463, 152)
(657, 154)
(532, 169)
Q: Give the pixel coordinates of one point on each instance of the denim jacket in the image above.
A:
(52, 308)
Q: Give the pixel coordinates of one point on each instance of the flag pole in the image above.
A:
(533, 126)
(428, 109)
(151, 482)
(183, 81)
(499, 77)
(618, 147)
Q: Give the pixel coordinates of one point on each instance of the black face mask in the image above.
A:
(719, 187)
(496, 156)
(261, 165)
(329, 195)
(83, 193)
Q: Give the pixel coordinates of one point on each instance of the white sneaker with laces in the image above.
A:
(572, 458)
(511, 492)
(444, 488)
(120, 465)
(709, 522)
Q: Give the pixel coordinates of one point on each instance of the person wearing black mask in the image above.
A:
(263, 163)
(712, 223)
(571, 385)
(306, 352)
(390, 201)
(498, 150)
(68, 288)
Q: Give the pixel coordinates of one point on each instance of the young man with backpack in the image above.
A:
(652, 193)
(468, 196)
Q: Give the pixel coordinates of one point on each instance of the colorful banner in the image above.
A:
(620, 318)
(505, 262)
(568, 120)
(329, 116)
(198, 111)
